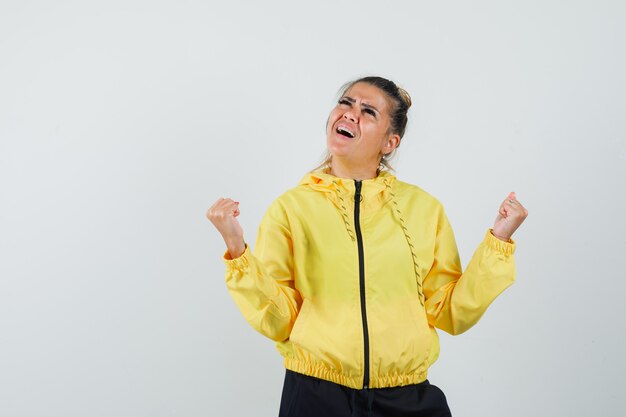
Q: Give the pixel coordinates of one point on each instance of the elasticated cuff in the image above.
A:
(240, 262)
(508, 248)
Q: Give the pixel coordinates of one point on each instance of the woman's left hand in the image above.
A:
(510, 216)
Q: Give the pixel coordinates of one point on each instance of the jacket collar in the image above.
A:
(322, 181)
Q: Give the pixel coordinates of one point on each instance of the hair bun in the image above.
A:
(405, 97)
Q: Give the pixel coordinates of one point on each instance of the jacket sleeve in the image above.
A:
(262, 284)
(455, 300)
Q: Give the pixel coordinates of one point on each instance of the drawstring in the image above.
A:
(405, 230)
(408, 240)
(370, 400)
(344, 210)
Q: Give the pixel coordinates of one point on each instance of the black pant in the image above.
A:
(306, 396)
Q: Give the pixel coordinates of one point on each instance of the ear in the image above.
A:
(393, 141)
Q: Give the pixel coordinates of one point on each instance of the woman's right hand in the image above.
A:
(223, 215)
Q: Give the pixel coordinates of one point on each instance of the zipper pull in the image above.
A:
(357, 195)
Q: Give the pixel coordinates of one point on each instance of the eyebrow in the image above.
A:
(367, 106)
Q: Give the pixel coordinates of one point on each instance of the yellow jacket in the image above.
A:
(351, 278)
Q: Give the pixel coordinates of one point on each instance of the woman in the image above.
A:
(353, 270)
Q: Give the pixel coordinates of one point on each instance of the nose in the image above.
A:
(349, 115)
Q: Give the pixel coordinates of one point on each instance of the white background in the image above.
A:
(122, 121)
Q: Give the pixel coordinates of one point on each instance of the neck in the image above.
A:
(343, 169)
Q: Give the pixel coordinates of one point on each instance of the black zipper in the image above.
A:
(359, 241)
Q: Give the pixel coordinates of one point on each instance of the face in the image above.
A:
(358, 126)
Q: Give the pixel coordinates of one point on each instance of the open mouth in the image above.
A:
(343, 131)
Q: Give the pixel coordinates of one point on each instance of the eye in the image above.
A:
(344, 101)
(370, 112)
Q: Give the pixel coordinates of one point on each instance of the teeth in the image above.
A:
(342, 129)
